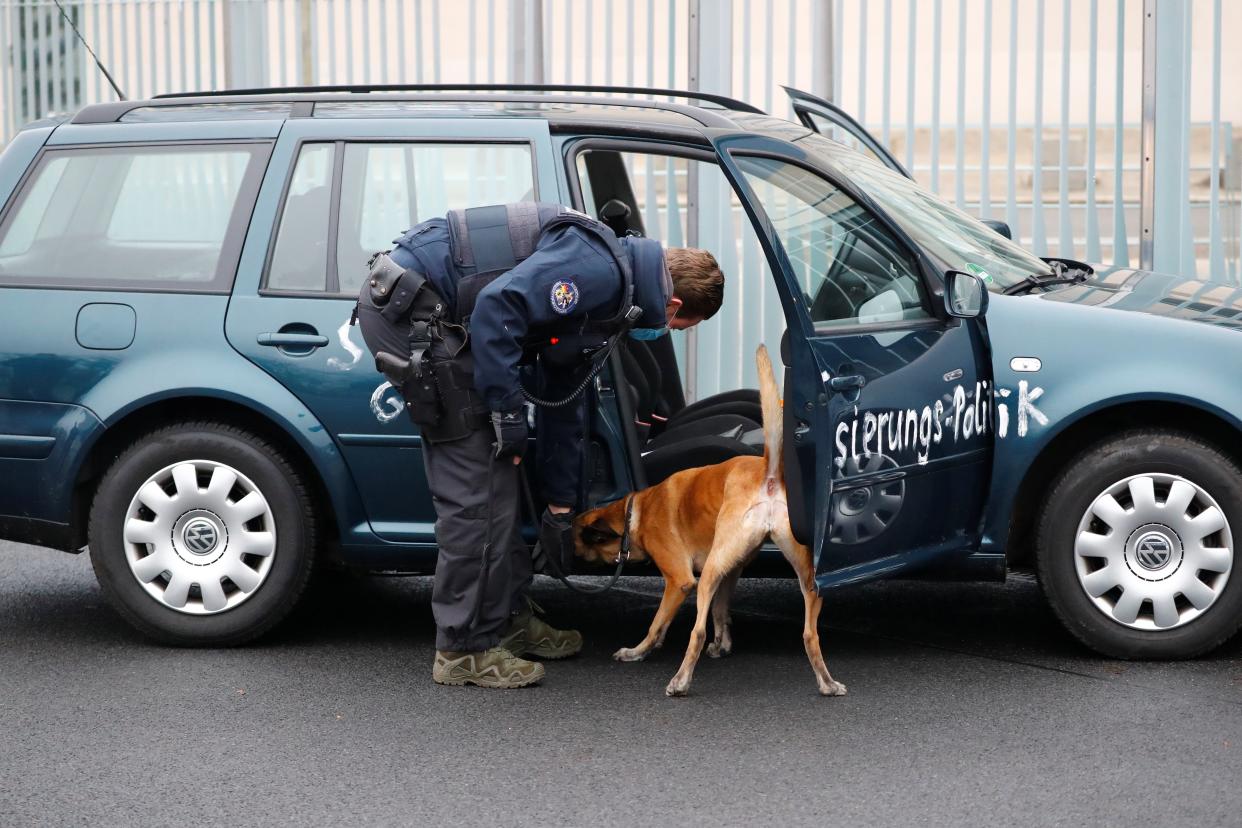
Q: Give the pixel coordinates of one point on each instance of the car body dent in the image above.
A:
(1093, 357)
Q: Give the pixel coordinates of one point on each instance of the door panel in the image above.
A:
(887, 404)
(339, 191)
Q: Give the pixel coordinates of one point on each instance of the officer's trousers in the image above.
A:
(474, 594)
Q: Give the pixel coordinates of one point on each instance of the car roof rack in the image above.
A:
(721, 100)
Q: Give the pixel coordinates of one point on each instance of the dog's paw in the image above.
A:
(715, 650)
(831, 688)
(629, 654)
(677, 687)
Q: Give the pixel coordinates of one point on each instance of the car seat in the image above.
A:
(708, 434)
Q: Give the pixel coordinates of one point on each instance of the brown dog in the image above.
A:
(711, 520)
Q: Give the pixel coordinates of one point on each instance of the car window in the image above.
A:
(388, 188)
(131, 217)
(300, 257)
(850, 267)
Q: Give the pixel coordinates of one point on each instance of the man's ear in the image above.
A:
(673, 306)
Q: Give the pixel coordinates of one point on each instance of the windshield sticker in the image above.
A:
(958, 416)
(980, 272)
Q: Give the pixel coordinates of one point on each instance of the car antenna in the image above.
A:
(98, 62)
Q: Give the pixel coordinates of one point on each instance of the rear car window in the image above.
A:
(158, 218)
(381, 190)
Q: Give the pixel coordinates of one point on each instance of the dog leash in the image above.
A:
(623, 554)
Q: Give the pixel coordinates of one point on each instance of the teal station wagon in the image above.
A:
(180, 389)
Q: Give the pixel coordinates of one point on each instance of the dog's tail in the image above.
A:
(773, 416)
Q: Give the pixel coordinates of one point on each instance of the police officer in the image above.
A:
(474, 300)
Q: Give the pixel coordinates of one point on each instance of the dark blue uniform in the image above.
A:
(570, 279)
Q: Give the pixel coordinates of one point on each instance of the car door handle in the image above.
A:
(850, 382)
(293, 340)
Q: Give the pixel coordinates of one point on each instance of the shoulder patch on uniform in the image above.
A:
(564, 295)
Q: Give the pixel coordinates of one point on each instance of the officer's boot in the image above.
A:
(496, 667)
(530, 635)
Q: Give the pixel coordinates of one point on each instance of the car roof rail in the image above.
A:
(709, 97)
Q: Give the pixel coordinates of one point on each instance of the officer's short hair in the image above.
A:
(697, 281)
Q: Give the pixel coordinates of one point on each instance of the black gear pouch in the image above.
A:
(556, 544)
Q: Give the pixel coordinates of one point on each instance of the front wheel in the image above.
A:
(1136, 543)
(202, 534)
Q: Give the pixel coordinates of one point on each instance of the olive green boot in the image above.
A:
(496, 667)
(530, 635)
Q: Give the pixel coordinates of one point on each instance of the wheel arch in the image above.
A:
(1181, 416)
(150, 415)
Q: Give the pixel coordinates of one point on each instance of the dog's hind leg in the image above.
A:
(729, 553)
(722, 643)
(677, 586)
(800, 557)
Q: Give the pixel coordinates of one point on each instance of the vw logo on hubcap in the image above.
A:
(1153, 551)
(200, 536)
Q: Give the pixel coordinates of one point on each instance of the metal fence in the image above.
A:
(1097, 129)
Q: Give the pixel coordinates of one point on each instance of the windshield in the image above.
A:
(948, 234)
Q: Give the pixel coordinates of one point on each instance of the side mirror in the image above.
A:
(999, 227)
(965, 295)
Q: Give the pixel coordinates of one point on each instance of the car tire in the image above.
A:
(1131, 514)
(202, 534)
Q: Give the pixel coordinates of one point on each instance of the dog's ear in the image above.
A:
(598, 532)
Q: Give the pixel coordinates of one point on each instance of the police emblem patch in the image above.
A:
(564, 296)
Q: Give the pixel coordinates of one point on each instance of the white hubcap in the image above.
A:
(199, 537)
(1153, 551)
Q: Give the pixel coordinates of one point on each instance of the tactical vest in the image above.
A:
(488, 242)
(400, 314)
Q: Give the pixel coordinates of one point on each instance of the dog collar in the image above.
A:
(623, 554)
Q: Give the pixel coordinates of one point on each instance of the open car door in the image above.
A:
(833, 122)
(887, 402)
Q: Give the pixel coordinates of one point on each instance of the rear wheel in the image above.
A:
(1136, 546)
(202, 534)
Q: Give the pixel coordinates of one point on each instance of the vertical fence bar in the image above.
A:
(1039, 240)
(1011, 146)
(985, 157)
(1148, 198)
(283, 44)
(937, 14)
(1092, 226)
(183, 74)
(1065, 230)
(823, 74)
(911, 43)
(770, 52)
(7, 54)
(153, 45)
(1186, 246)
(31, 99)
(861, 105)
(1216, 258)
(791, 52)
(959, 137)
(837, 16)
(40, 74)
(54, 53)
(1121, 242)
(886, 96)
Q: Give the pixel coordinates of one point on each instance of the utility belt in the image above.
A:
(420, 351)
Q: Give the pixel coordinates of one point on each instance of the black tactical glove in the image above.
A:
(511, 432)
(556, 541)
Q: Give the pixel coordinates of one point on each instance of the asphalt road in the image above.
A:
(967, 705)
